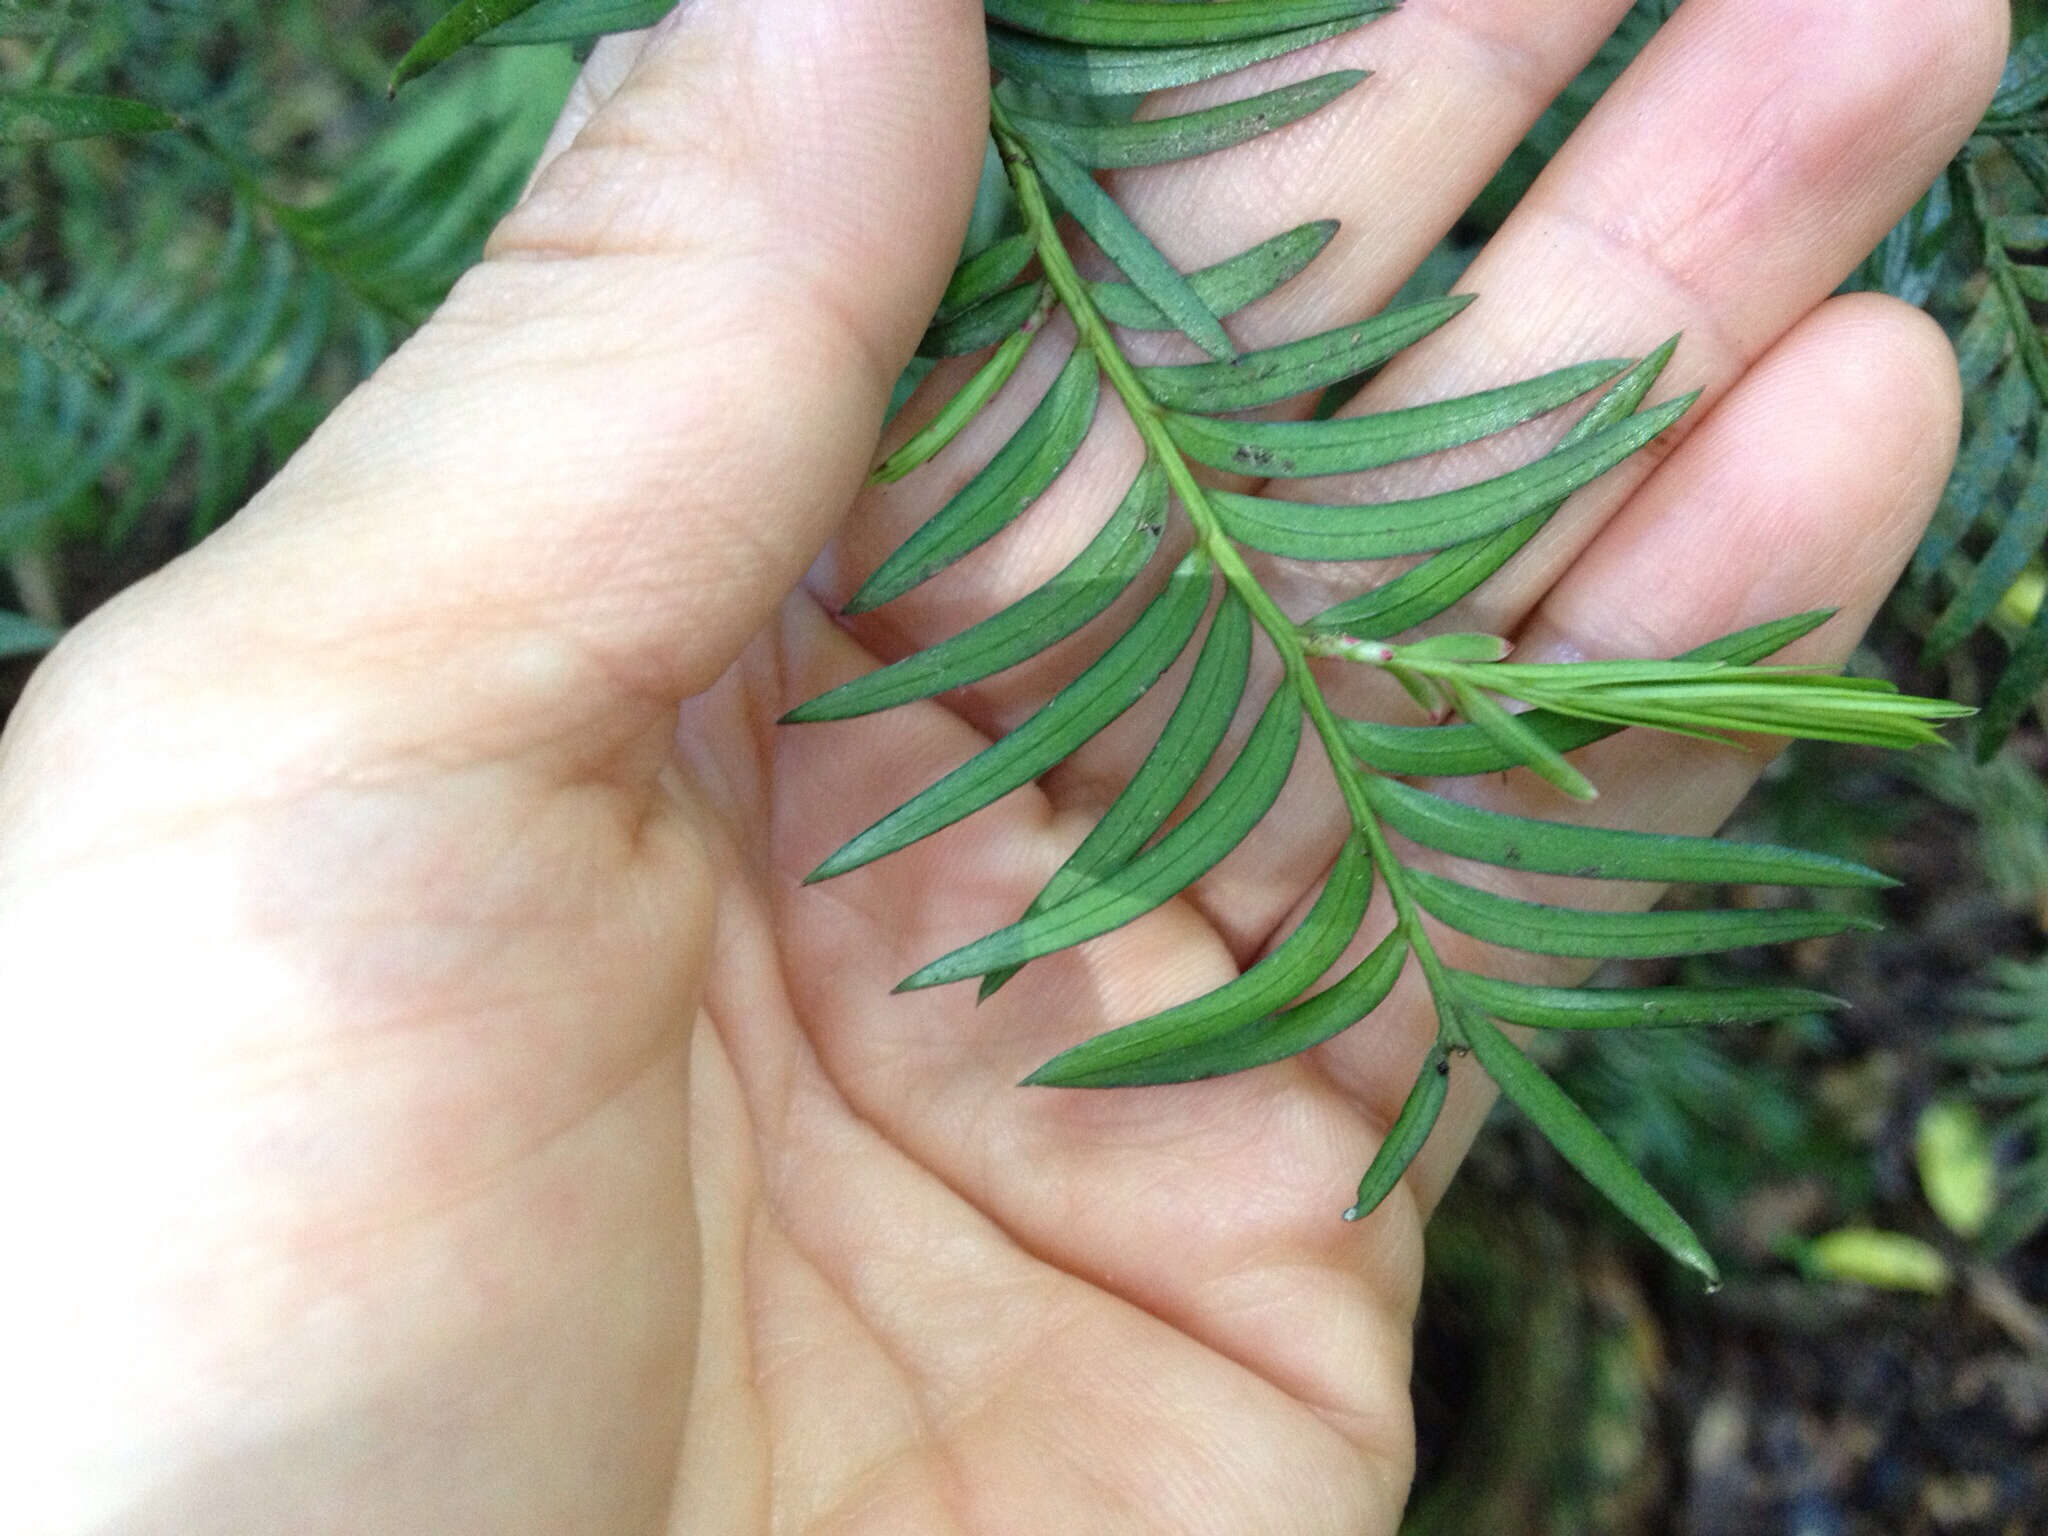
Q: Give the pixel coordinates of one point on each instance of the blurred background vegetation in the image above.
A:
(183, 300)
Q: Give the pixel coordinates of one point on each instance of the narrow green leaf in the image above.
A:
(1405, 1137)
(1745, 646)
(31, 18)
(986, 274)
(1711, 705)
(1636, 1007)
(2025, 671)
(572, 21)
(1226, 287)
(1280, 373)
(1428, 697)
(1308, 1023)
(1521, 742)
(1116, 681)
(1600, 853)
(1211, 1035)
(1337, 1007)
(981, 324)
(1982, 463)
(114, 432)
(1170, 24)
(931, 439)
(1075, 69)
(1377, 530)
(1585, 1146)
(1158, 140)
(458, 27)
(1017, 476)
(1089, 584)
(1681, 674)
(1422, 592)
(1347, 444)
(2020, 534)
(1170, 770)
(1437, 751)
(44, 117)
(1190, 850)
(1982, 345)
(1128, 247)
(1543, 930)
(44, 334)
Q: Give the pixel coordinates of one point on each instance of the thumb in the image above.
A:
(593, 474)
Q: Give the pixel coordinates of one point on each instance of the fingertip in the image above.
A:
(1806, 486)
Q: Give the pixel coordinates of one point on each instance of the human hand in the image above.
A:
(486, 1132)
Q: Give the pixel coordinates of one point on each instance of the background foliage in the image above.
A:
(183, 306)
(188, 304)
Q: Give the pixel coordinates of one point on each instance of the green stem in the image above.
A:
(1287, 638)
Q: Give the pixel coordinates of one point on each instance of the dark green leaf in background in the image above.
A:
(23, 636)
(571, 21)
(986, 274)
(516, 22)
(44, 117)
(25, 322)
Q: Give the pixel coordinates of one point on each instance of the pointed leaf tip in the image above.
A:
(1127, 246)
(1586, 1147)
(458, 27)
(1109, 686)
(1406, 1136)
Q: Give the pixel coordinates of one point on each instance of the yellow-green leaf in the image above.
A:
(1958, 1170)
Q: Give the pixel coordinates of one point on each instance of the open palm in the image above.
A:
(490, 1133)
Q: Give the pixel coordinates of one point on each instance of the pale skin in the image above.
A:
(439, 1108)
